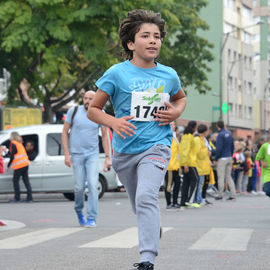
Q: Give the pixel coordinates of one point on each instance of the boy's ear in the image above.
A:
(130, 45)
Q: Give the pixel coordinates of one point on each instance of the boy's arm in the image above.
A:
(105, 144)
(119, 125)
(175, 109)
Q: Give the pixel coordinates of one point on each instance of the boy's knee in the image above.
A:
(145, 200)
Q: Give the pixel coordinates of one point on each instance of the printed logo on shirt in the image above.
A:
(152, 85)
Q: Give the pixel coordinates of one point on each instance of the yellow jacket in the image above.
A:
(187, 151)
(203, 160)
(174, 164)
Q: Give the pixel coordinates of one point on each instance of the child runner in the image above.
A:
(139, 88)
(264, 156)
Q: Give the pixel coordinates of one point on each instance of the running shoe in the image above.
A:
(91, 223)
(143, 266)
(81, 219)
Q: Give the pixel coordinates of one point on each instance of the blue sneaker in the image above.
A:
(81, 219)
(90, 223)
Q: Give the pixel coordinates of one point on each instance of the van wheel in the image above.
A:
(69, 196)
(101, 186)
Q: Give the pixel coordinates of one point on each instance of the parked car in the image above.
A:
(48, 172)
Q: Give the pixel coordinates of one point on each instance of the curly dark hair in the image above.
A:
(131, 25)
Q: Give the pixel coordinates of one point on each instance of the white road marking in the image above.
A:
(224, 239)
(125, 239)
(33, 238)
(11, 225)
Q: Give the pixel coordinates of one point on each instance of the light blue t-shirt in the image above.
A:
(84, 133)
(119, 82)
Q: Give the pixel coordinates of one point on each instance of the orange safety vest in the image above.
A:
(20, 158)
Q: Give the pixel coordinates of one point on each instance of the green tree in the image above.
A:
(60, 47)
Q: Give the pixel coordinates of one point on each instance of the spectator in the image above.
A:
(203, 164)
(81, 151)
(19, 162)
(30, 150)
(187, 157)
(264, 157)
(172, 177)
(223, 160)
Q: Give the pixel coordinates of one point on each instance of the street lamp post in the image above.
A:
(222, 46)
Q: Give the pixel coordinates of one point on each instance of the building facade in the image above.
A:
(239, 30)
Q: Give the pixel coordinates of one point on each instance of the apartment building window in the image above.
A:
(245, 61)
(246, 12)
(249, 113)
(245, 86)
(246, 37)
(234, 55)
(249, 88)
(230, 82)
(229, 54)
(235, 83)
(229, 3)
(245, 112)
(255, 91)
(230, 109)
(228, 27)
(240, 111)
(250, 63)
(239, 57)
(254, 3)
(256, 38)
(239, 88)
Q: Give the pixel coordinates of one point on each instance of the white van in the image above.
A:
(48, 172)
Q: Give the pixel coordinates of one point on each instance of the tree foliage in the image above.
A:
(62, 46)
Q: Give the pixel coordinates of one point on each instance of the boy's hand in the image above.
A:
(121, 125)
(166, 117)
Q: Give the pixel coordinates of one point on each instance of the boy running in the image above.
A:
(146, 97)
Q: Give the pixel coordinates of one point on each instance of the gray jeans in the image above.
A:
(142, 175)
(224, 172)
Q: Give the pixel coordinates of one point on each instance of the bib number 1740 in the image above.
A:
(146, 111)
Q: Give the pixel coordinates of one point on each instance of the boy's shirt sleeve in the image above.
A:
(176, 84)
(107, 82)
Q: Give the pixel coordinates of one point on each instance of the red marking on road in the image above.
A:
(2, 223)
(44, 221)
(223, 256)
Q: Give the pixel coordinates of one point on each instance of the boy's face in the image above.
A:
(147, 43)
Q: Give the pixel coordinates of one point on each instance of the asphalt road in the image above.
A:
(45, 235)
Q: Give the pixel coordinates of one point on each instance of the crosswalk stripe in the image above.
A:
(125, 239)
(32, 238)
(224, 239)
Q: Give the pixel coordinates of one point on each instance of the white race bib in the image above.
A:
(268, 149)
(144, 105)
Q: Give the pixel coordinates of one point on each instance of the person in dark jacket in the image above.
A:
(223, 160)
